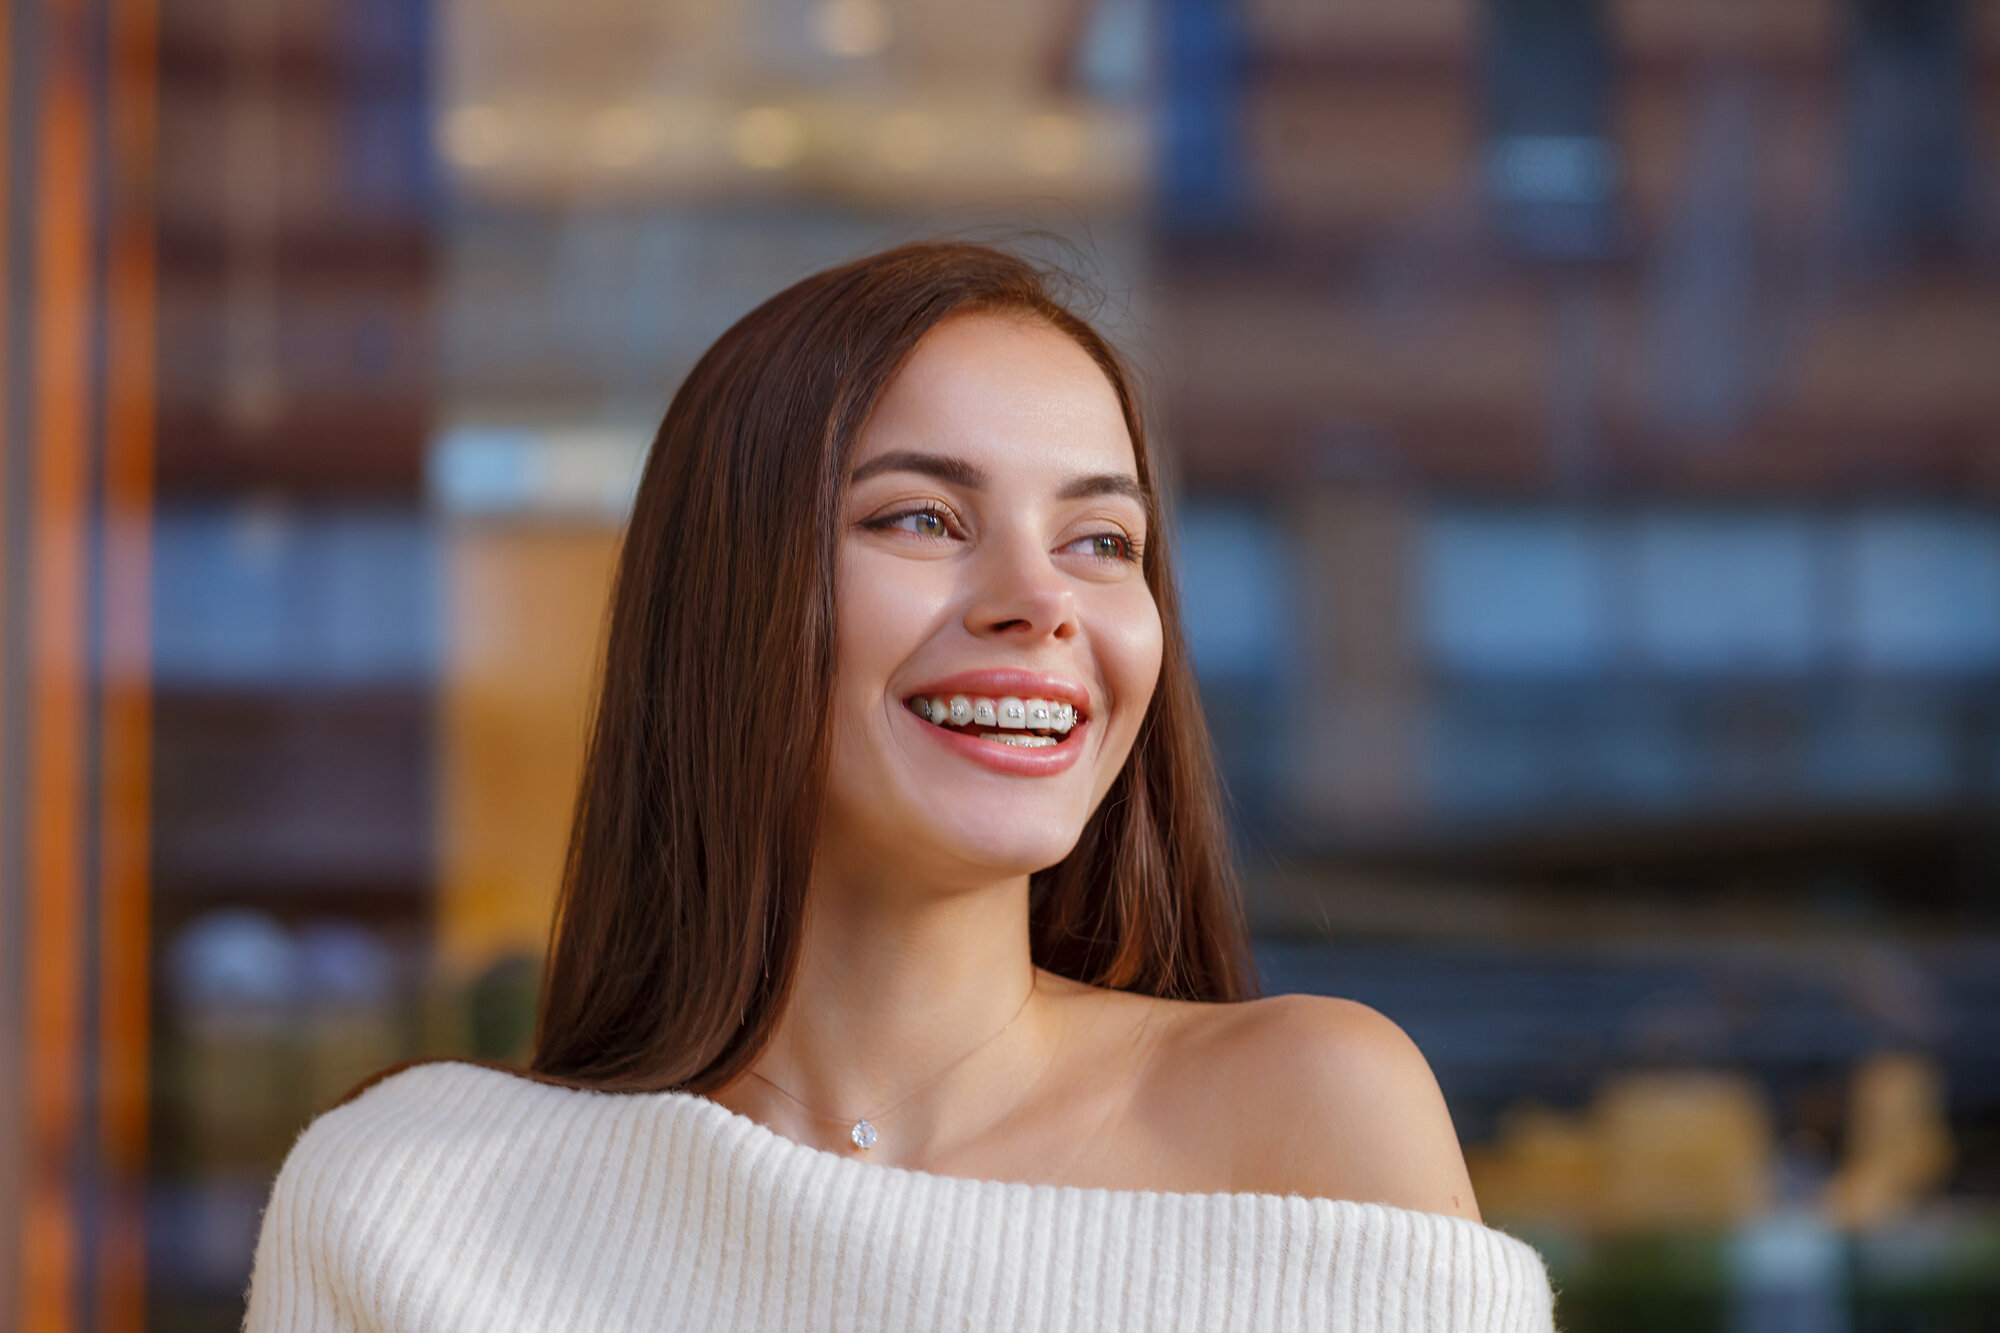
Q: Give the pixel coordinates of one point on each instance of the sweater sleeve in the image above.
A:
(295, 1285)
(321, 1225)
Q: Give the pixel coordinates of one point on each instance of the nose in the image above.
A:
(1021, 595)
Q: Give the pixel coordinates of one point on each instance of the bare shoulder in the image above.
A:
(1322, 1097)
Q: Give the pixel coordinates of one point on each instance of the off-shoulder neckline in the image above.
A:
(772, 1142)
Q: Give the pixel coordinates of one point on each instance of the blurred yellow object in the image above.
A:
(1899, 1144)
(1686, 1148)
(1674, 1149)
(696, 102)
(1543, 1166)
(526, 605)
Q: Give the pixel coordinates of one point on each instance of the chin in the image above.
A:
(1002, 852)
(1023, 860)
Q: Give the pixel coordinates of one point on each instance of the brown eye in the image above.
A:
(928, 521)
(1106, 546)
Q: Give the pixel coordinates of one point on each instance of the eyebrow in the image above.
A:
(958, 472)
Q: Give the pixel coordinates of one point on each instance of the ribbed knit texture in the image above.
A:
(452, 1196)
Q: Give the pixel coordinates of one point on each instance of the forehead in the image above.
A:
(1002, 391)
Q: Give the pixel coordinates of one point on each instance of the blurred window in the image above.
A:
(1746, 628)
(1516, 593)
(1900, 746)
(1237, 597)
(1723, 593)
(1552, 168)
(577, 471)
(263, 594)
(1909, 100)
(1923, 593)
(1235, 583)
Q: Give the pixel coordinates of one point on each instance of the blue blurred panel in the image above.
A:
(1203, 175)
(1639, 752)
(238, 961)
(1524, 593)
(343, 964)
(1113, 58)
(1901, 748)
(219, 609)
(259, 595)
(1491, 754)
(1498, 749)
(484, 470)
(1548, 67)
(1909, 118)
(577, 472)
(203, 1231)
(1552, 169)
(1923, 593)
(1722, 593)
(389, 36)
(1236, 593)
(1504, 1022)
(389, 170)
(389, 167)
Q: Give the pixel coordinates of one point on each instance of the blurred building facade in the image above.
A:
(1586, 450)
(1629, 363)
(1592, 457)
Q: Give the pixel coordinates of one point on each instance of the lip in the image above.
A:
(1013, 761)
(1000, 682)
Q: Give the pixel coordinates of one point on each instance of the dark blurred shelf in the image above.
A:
(312, 449)
(290, 796)
(1558, 850)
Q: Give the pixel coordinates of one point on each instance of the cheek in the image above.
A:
(1129, 645)
(883, 612)
(860, 619)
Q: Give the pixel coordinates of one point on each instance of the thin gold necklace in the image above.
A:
(862, 1128)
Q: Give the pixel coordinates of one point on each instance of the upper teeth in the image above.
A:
(1007, 713)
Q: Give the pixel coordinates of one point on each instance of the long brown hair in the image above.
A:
(677, 928)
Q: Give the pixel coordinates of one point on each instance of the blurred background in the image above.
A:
(1584, 423)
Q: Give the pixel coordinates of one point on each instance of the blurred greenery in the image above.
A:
(1644, 1283)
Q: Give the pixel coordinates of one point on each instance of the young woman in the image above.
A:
(898, 979)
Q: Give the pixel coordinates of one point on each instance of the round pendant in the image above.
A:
(863, 1134)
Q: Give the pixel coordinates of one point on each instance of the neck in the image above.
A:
(893, 987)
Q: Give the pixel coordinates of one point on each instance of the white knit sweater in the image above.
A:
(453, 1196)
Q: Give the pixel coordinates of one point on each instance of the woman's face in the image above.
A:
(988, 568)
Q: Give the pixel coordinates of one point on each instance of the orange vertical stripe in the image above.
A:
(12, 1193)
(6, 295)
(56, 662)
(6, 218)
(125, 759)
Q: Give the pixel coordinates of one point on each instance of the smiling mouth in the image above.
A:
(1021, 723)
